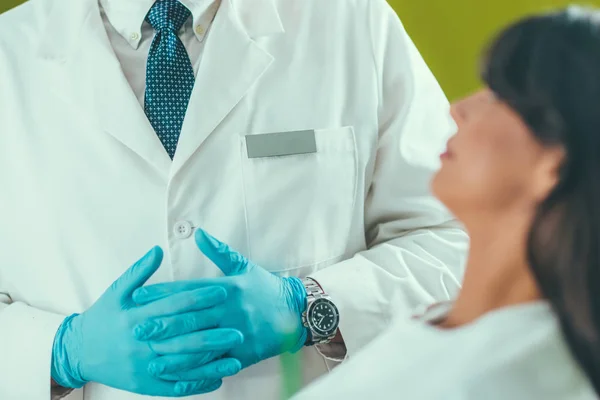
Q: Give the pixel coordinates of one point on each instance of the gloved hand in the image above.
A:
(267, 309)
(106, 345)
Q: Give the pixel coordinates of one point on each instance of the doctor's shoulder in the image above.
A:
(22, 27)
(361, 16)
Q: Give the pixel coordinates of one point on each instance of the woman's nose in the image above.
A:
(457, 112)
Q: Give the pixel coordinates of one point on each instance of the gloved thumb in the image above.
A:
(137, 274)
(229, 261)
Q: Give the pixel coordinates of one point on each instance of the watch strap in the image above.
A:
(312, 288)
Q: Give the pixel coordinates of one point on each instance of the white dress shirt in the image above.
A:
(130, 35)
(515, 353)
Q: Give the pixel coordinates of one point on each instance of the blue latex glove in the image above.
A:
(103, 344)
(265, 308)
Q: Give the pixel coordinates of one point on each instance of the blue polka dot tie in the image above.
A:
(169, 73)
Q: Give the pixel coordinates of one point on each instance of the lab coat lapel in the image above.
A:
(93, 78)
(231, 63)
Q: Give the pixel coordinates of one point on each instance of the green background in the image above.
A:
(451, 33)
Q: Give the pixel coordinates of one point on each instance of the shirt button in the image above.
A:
(182, 230)
(135, 36)
(199, 30)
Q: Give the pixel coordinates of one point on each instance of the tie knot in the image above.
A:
(168, 14)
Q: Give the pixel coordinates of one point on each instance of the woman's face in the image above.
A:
(493, 164)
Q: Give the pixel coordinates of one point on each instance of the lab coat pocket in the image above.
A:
(299, 206)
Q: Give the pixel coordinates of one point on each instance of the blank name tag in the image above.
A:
(281, 144)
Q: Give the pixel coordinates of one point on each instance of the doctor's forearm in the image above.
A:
(392, 278)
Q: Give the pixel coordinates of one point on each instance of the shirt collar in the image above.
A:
(435, 313)
(127, 16)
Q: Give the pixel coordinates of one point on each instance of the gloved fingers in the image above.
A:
(199, 342)
(153, 293)
(213, 370)
(229, 261)
(137, 274)
(167, 327)
(184, 302)
(174, 363)
(165, 388)
(196, 387)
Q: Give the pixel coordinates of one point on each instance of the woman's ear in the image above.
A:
(547, 174)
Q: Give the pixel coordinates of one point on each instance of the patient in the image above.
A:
(523, 174)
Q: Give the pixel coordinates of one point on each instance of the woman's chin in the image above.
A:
(444, 189)
(437, 185)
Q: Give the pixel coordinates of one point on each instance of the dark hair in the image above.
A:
(547, 69)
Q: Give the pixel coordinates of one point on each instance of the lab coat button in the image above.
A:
(182, 229)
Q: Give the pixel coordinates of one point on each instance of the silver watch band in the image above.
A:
(313, 288)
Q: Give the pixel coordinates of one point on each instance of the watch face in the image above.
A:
(323, 317)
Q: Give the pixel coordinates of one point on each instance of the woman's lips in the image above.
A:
(446, 155)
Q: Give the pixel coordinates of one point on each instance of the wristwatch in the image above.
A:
(321, 317)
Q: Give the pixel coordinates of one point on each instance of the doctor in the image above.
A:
(303, 134)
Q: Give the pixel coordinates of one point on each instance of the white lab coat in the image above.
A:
(515, 353)
(87, 187)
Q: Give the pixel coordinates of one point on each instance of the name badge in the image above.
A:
(281, 144)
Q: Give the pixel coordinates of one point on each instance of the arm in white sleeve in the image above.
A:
(416, 249)
(26, 339)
